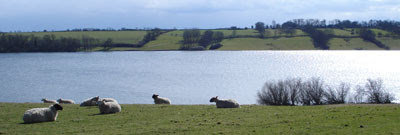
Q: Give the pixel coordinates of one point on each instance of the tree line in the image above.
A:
(295, 91)
(321, 38)
(47, 43)
(194, 40)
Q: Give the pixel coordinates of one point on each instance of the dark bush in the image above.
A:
(337, 95)
(376, 92)
(216, 46)
(274, 94)
(320, 38)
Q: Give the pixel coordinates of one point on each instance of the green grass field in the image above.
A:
(351, 44)
(172, 40)
(207, 119)
(394, 44)
(127, 37)
(295, 43)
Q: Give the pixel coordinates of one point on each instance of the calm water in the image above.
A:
(184, 77)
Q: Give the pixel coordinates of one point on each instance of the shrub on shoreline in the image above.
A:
(315, 92)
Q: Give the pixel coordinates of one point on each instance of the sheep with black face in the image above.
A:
(160, 100)
(42, 114)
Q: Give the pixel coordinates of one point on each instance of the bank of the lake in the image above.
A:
(206, 119)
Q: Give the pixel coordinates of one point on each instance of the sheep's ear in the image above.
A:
(216, 97)
(58, 107)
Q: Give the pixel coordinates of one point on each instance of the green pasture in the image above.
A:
(207, 119)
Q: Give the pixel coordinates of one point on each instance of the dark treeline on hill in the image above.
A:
(47, 43)
(194, 40)
(50, 43)
(388, 25)
(321, 38)
(150, 36)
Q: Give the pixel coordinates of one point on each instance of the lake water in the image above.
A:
(184, 77)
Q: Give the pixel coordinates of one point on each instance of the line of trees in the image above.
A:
(47, 43)
(388, 25)
(150, 36)
(315, 92)
(370, 36)
(194, 40)
(320, 38)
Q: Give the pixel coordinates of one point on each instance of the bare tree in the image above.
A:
(295, 86)
(359, 95)
(337, 95)
(315, 90)
(274, 94)
(376, 92)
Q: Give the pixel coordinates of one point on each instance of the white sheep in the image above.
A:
(225, 103)
(90, 102)
(109, 107)
(160, 100)
(106, 100)
(42, 114)
(65, 101)
(49, 101)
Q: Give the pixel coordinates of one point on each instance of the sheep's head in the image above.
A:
(58, 107)
(155, 96)
(214, 99)
(59, 100)
(95, 98)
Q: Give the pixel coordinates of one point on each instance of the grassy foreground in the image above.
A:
(206, 119)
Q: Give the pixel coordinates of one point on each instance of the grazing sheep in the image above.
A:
(109, 107)
(106, 100)
(160, 100)
(65, 101)
(49, 101)
(225, 103)
(42, 114)
(90, 102)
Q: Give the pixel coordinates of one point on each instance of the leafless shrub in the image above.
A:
(274, 94)
(376, 92)
(315, 92)
(359, 94)
(337, 95)
(295, 86)
(314, 89)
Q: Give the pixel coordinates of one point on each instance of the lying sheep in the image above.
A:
(42, 114)
(225, 103)
(49, 101)
(90, 102)
(160, 100)
(109, 107)
(106, 100)
(65, 101)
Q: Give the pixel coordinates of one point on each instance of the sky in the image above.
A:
(38, 15)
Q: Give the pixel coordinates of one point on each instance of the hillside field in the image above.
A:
(207, 119)
(246, 40)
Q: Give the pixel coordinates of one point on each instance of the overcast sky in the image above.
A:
(34, 15)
